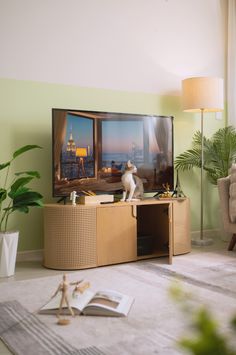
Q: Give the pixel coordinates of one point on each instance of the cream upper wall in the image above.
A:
(134, 45)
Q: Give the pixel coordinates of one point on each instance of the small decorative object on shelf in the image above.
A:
(95, 199)
(178, 192)
(166, 193)
(132, 184)
(73, 196)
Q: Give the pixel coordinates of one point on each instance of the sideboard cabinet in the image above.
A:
(85, 236)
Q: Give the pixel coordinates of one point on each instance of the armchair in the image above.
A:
(229, 227)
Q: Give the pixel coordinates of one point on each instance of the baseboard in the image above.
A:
(208, 233)
(37, 255)
(30, 255)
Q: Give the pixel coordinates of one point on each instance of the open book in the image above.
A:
(102, 303)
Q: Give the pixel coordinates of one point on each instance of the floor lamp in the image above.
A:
(202, 94)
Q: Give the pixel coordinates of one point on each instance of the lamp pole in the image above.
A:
(201, 182)
(201, 241)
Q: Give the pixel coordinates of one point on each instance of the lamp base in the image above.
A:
(202, 242)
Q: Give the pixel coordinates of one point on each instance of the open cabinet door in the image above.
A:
(181, 227)
(170, 215)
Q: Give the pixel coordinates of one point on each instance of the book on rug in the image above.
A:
(101, 303)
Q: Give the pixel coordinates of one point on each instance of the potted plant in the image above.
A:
(15, 195)
(219, 154)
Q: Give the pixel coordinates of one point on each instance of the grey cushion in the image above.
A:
(232, 194)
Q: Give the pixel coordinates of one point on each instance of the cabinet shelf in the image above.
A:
(158, 254)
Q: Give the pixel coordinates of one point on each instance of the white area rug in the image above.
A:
(154, 323)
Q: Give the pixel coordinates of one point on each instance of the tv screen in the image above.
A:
(90, 150)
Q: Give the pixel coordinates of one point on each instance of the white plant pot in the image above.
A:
(8, 249)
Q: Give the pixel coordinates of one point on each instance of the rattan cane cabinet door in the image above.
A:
(69, 237)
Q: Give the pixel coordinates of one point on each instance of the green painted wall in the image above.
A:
(25, 116)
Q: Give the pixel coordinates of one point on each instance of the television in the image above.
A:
(91, 148)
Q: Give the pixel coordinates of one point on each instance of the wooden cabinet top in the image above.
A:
(148, 201)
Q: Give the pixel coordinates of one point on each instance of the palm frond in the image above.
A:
(188, 159)
(219, 153)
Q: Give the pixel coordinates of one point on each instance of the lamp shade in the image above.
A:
(203, 93)
(81, 152)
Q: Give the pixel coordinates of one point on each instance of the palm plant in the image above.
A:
(219, 154)
(14, 194)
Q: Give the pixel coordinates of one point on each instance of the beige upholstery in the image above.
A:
(229, 227)
(232, 194)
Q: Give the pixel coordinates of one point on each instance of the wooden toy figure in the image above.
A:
(63, 288)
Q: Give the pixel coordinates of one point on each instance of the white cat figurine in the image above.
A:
(132, 184)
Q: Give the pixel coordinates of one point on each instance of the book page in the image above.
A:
(109, 302)
(107, 298)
